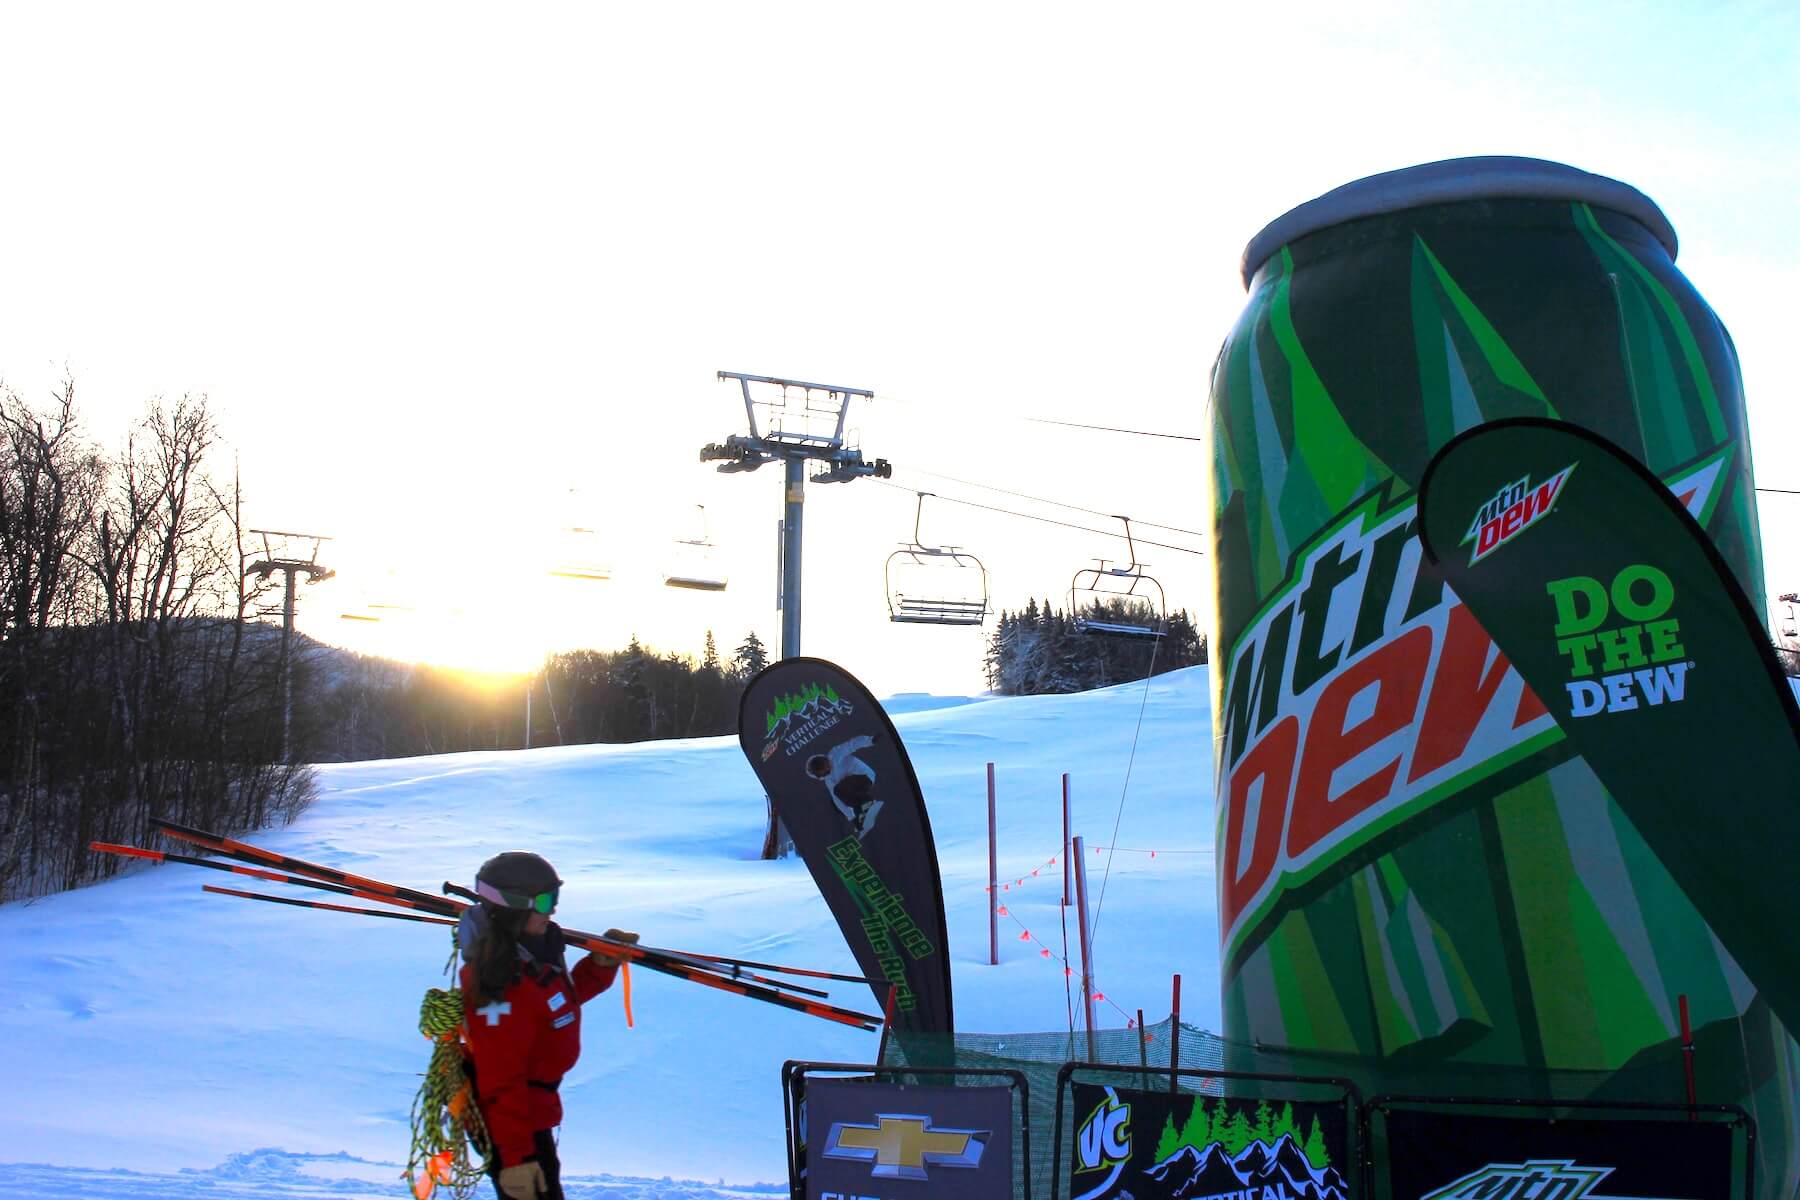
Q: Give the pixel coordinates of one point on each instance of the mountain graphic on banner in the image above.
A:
(1260, 1171)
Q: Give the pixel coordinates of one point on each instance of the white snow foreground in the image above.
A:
(155, 1036)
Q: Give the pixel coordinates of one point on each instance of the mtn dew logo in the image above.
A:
(1363, 693)
(795, 721)
(1515, 509)
(1539, 1179)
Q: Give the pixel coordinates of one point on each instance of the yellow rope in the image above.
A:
(445, 1120)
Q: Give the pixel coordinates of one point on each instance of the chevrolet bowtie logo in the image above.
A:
(902, 1145)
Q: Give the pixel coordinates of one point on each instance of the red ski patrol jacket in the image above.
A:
(523, 1044)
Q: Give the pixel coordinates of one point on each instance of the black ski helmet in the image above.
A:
(516, 879)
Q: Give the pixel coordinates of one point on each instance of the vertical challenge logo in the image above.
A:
(1514, 509)
(796, 721)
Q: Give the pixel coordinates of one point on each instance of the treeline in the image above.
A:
(135, 678)
(378, 709)
(1044, 650)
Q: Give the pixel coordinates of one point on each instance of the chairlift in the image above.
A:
(935, 585)
(696, 566)
(1119, 602)
(578, 551)
(576, 558)
(373, 613)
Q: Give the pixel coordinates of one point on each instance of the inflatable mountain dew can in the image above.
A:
(1417, 875)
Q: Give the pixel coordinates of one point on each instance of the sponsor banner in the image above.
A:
(1154, 1145)
(1618, 612)
(1458, 1156)
(881, 1141)
(839, 778)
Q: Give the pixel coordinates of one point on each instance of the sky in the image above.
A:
(455, 279)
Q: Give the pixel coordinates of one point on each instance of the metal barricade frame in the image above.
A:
(1550, 1109)
(793, 1078)
(1352, 1099)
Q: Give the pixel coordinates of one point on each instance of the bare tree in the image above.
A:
(49, 482)
(134, 681)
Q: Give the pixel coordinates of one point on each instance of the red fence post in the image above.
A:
(993, 880)
(1687, 1053)
(1065, 839)
(1087, 948)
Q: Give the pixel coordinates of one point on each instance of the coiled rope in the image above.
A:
(445, 1120)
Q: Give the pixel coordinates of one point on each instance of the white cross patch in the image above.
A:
(493, 1012)
(557, 1000)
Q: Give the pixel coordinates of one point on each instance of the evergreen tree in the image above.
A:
(1263, 1130)
(1315, 1151)
(1170, 1140)
(709, 660)
(1236, 1134)
(750, 657)
(1284, 1124)
(1197, 1131)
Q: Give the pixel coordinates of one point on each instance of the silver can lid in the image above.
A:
(1492, 177)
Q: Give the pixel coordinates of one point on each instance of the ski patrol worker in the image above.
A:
(522, 1017)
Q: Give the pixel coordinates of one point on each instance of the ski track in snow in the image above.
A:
(154, 1034)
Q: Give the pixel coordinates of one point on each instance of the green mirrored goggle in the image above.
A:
(543, 902)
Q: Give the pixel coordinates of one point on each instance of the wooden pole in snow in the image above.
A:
(1087, 949)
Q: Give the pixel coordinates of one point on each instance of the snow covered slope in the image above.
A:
(149, 1026)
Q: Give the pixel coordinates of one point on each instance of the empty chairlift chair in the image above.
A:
(1118, 601)
(935, 585)
(695, 565)
(579, 552)
(578, 555)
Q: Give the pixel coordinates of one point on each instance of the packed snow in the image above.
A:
(163, 1042)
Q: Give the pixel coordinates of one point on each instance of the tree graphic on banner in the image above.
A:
(1284, 1124)
(1235, 1130)
(1170, 1141)
(1315, 1151)
(1198, 1130)
(1235, 1135)
(1262, 1131)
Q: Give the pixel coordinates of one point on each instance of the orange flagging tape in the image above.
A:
(625, 984)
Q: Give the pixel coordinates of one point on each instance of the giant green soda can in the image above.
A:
(1415, 872)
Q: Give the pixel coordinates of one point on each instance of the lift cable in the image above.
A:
(988, 487)
(1046, 520)
(1179, 437)
(1124, 790)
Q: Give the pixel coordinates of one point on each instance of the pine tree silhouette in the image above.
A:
(1236, 1134)
(1284, 1123)
(1263, 1130)
(1316, 1154)
(1198, 1129)
(1170, 1141)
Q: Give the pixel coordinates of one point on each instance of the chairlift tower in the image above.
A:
(289, 566)
(798, 423)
